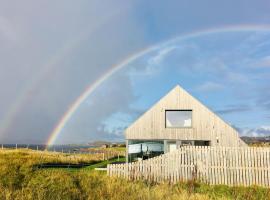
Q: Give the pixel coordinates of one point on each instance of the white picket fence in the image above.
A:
(213, 165)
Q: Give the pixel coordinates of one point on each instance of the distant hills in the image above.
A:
(254, 140)
(100, 143)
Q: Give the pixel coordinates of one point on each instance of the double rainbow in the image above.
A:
(113, 69)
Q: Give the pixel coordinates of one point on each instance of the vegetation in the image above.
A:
(34, 157)
(260, 144)
(119, 149)
(257, 141)
(20, 179)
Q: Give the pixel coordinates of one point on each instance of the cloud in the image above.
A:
(235, 77)
(261, 131)
(209, 87)
(222, 68)
(261, 63)
(104, 115)
(263, 97)
(112, 32)
(194, 58)
(7, 30)
(109, 38)
(169, 18)
(256, 132)
(266, 104)
(161, 55)
(233, 109)
(153, 64)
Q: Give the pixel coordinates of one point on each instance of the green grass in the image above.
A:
(20, 180)
(104, 164)
(120, 149)
(98, 164)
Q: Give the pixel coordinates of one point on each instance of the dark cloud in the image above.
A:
(90, 121)
(78, 45)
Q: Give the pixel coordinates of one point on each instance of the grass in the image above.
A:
(104, 163)
(19, 179)
(260, 144)
(119, 149)
(48, 157)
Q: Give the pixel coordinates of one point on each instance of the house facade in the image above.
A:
(177, 120)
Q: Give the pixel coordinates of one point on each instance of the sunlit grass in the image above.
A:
(47, 156)
(19, 179)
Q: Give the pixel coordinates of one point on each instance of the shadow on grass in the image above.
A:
(91, 165)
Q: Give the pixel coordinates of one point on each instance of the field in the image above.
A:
(23, 176)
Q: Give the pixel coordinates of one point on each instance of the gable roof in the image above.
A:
(206, 124)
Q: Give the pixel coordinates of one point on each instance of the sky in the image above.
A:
(50, 52)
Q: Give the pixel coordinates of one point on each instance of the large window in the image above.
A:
(141, 150)
(178, 118)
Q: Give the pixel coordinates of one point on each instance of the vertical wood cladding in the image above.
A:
(206, 125)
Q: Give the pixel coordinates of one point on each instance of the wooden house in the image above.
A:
(177, 120)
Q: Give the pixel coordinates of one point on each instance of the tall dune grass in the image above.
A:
(32, 156)
(19, 180)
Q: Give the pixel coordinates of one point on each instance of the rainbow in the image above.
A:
(113, 69)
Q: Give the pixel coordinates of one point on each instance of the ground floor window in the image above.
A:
(145, 149)
(201, 143)
(194, 143)
(141, 150)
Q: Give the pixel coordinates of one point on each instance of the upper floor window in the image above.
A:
(178, 118)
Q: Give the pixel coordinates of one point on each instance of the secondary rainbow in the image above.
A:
(113, 69)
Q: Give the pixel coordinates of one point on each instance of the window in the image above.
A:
(178, 118)
(141, 150)
(201, 143)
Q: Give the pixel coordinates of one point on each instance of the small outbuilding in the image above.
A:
(177, 120)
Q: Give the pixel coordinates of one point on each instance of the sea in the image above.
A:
(67, 148)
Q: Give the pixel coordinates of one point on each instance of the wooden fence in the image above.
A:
(213, 165)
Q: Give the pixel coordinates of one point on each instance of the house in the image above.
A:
(104, 146)
(177, 120)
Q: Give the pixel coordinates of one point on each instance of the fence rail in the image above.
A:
(213, 165)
